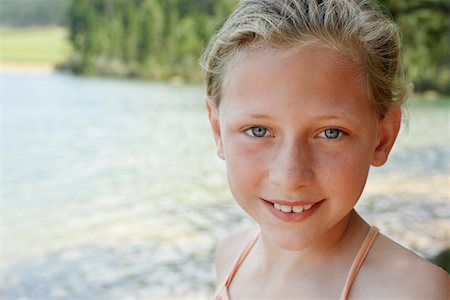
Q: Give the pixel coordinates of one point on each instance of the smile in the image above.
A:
(296, 212)
(295, 209)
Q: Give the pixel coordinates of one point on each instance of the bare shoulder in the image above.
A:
(396, 272)
(229, 248)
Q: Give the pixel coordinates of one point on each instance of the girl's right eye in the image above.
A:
(257, 132)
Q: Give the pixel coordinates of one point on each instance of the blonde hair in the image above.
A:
(352, 26)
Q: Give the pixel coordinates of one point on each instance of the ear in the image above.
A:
(213, 115)
(387, 134)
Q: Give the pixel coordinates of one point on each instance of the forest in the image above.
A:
(162, 39)
(155, 39)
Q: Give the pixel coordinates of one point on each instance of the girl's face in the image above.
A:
(298, 134)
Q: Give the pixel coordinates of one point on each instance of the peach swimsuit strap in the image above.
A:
(241, 258)
(356, 265)
(358, 261)
(222, 294)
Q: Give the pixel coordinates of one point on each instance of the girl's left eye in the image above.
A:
(257, 132)
(331, 133)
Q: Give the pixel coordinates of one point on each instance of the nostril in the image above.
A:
(292, 163)
(291, 177)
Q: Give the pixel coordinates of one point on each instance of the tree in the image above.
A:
(157, 39)
(161, 39)
(424, 26)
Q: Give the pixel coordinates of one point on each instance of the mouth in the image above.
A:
(292, 211)
(296, 209)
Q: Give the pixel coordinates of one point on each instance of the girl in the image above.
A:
(303, 97)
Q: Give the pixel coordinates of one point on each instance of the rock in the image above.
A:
(442, 260)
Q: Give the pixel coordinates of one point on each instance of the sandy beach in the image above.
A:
(26, 67)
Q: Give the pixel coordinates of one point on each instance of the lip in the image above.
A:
(291, 203)
(292, 217)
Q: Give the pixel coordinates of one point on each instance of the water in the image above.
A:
(112, 190)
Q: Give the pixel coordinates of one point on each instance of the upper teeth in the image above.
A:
(288, 209)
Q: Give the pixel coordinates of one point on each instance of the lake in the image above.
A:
(112, 189)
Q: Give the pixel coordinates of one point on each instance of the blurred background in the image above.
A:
(110, 186)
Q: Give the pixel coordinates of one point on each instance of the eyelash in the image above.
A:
(250, 132)
(341, 133)
(322, 134)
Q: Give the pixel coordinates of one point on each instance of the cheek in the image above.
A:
(245, 168)
(243, 155)
(344, 172)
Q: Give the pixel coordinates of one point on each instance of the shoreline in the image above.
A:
(28, 67)
(38, 67)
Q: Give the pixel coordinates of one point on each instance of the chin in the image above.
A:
(290, 245)
(289, 241)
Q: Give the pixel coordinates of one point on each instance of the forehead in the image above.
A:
(311, 71)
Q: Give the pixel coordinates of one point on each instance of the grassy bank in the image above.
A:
(33, 46)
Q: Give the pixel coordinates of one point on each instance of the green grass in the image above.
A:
(40, 45)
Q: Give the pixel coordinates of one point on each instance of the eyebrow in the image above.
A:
(320, 117)
(341, 116)
(257, 116)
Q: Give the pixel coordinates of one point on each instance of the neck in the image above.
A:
(337, 246)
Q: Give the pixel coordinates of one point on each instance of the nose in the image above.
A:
(292, 166)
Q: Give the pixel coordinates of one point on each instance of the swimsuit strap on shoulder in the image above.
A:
(358, 261)
(241, 258)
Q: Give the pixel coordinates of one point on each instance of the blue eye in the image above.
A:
(257, 132)
(332, 133)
